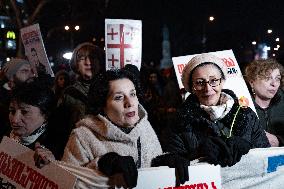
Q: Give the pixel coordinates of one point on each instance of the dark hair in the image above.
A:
(95, 54)
(66, 76)
(35, 93)
(99, 89)
(201, 65)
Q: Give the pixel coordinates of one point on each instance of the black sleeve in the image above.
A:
(258, 136)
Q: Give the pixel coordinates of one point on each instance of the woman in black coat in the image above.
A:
(213, 125)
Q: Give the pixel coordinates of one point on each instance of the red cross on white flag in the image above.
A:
(123, 43)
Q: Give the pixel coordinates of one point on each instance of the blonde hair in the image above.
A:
(262, 68)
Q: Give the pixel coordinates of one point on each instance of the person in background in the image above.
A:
(14, 72)
(116, 136)
(264, 79)
(87, 61)
(30, 110)
(213, 125)
(61, 81)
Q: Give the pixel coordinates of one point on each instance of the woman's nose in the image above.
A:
(16, 117)
(87, 61)
(128, 102)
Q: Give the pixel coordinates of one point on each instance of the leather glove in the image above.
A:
(238, 147)
(214, 150)
(112, 163)
(174, 161)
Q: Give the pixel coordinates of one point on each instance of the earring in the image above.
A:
(253, 91)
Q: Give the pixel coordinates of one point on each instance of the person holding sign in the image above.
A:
(30, 110)
(116, 137)
(213, 125)
(264, 78)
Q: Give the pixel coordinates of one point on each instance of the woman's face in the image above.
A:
(208, 95)
(24, 118)
(85, 67)
(266, 88)
(122, 103)
(61, 81)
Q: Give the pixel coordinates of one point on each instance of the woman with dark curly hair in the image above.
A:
(264, 79)
(213, 124)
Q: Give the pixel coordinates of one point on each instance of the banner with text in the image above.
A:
(17, 170)
(234, 81)
(123, 43)
(34, 49)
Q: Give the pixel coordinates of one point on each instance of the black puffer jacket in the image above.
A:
(195, 126)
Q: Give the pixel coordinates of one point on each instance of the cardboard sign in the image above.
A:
(17, 170)
(123, 43)
(234, 81)
(34, 49)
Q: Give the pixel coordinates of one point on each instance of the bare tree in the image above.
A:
(23, 18)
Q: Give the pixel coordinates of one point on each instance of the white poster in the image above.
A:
(34, 49)
(123, 43)
(18, 170)
(234, 81)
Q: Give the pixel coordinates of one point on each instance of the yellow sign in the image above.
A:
(10, 35)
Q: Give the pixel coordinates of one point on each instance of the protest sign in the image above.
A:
(18, 171)
(234, 81)
(202, 176)
(123, 43)
(34, 49)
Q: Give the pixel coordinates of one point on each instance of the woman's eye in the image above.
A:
(199, 82)
(133, 94)
(24, 112)
(11, 111)
(118, 97)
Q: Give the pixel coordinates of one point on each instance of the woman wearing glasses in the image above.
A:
(213, 126)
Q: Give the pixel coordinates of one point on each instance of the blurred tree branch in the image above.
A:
(23, 20)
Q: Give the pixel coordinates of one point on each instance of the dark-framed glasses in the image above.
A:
(200, 84)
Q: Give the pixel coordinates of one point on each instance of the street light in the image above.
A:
(269, 31)
(69, 28)
(253, 43)
(211, 18)
(277, 39)
(204, 38)
(77, 28)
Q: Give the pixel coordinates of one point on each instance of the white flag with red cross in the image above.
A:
(123, 43)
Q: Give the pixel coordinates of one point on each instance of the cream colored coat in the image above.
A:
(96, 136)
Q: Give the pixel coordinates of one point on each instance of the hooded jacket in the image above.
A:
(196, 125)
(96, 136)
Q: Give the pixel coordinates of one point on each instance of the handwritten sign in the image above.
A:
(234, 81)
(17, 170)
(123, 42)
(34, 49)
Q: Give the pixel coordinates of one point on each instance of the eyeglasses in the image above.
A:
(200, 84)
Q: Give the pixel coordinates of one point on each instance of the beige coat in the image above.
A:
(96, 136)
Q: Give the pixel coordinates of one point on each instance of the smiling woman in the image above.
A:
(213, 125)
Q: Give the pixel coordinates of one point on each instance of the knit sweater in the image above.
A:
(96, 136)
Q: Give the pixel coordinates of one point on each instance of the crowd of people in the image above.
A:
(117, 121)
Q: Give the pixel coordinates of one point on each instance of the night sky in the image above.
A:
(236, 24)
